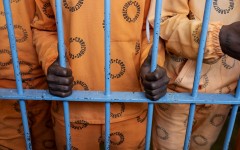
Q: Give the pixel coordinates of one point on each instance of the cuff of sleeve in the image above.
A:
(213, 49)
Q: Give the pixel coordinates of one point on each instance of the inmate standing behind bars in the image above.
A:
(84, 39)
(180, 28)
(39, 115)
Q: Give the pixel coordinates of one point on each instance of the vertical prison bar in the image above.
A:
(107, 46)
(232, 119)
(62, 61)
(157, 21)
(12, 41)
(197, 77)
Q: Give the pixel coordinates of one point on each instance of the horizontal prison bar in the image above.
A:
(134, 97)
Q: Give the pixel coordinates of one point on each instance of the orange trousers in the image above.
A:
(39, 120)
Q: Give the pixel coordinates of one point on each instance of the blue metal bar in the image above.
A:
(12, 41)
(124, 97)
(62, 61)
(158, 10)
(232, 120)
(107, 38)
(201, 48)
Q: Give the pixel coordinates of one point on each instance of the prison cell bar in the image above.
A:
(12, 41)
(107, 46)
(232, 119)
(62, 61)
(197, 76)
(157, 21)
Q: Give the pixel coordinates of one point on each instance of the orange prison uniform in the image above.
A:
(39, 115)
(84, 38)
(180, 28)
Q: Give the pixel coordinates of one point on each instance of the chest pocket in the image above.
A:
(127, 20)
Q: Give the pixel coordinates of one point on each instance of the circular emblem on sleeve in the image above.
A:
(116, 138)
(200, 140)
(217, 120)
(26, 72)
(129, 17)
(77, 53)
(119, 112)
(81, 83)
(79, 124)
(228, 62)
(225, 10)
(71, 7)
(47, 10)
(162, 133)
(122, 68)
(225, 90)
(4, 52)
(23, 36)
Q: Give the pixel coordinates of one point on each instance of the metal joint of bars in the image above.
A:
(108, 96)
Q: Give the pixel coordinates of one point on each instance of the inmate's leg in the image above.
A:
(84, 136)
(128, 134)
(209, 122)
(169, 126)
(11, 127)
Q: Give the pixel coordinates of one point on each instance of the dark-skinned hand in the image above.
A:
(60, 80)
(230, 40)
(155, 83)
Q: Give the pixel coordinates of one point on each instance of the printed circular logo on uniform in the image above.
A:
(81, 83)
(217, 120)
(142, 117)
(196, 34)
(77, 53)
(29, 68)
(200, 140)
(163, 107)
(69, 4)
(116, 138)
(19, 37)
(118, 112)
(129, 14)
(117, 63)
(205, 82)
(225, 90)
(162, 133)
(4, 148)
(49, 144)
(228, 62)
(137, 48)
(221, 8)
(5, 55)
(47, 10)
(79, 124)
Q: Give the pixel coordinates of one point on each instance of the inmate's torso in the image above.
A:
(219, 77)
(22, 13)
(84, 39)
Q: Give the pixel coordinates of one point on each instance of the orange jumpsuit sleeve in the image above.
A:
(182, 35)
(45, 34)
(147, 45)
